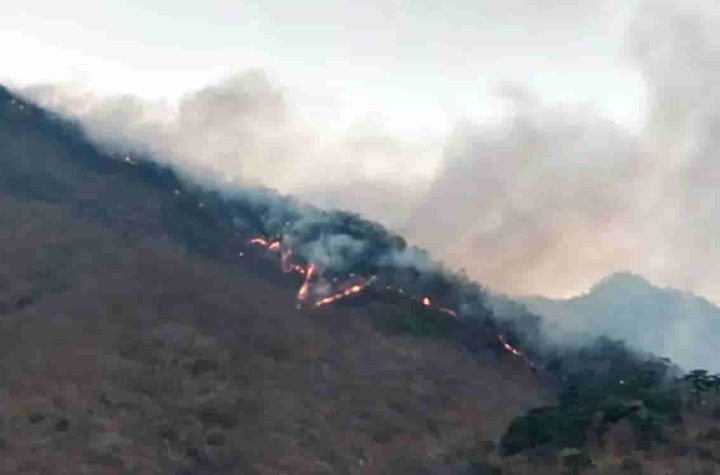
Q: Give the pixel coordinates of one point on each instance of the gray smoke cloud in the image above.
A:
(541, 197)
(242, 132)
(548, 201)
(552, 200)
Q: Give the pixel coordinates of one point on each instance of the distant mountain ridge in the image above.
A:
(668, 322)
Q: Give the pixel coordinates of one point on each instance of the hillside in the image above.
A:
(149, 324)
(665, 321)
(141, 333)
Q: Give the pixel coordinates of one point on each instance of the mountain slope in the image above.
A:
(668, 322)
(140, 333)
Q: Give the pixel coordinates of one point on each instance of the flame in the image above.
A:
(273, 245)
(305, 287)
(426, 302)
(260, 242)
(508, 347)
(285, 254)
(347, 292)
(286, 264)
(310, 271)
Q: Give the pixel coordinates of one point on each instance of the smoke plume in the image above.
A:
(548, 201)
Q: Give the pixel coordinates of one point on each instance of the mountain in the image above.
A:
(154, 324)
(141, 332)
(664, 321)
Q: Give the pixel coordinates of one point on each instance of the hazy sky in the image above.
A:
(414, 66)
(539, 145)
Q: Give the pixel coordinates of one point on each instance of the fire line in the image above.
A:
(310, 273)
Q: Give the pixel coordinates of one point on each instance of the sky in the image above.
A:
(415, 66)
(538, 145)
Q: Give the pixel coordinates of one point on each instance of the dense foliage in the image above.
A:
(602, 384)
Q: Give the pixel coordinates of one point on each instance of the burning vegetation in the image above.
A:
(188, 389)
(317, 291)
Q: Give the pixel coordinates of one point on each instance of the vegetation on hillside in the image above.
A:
(141, 334)
(607, 389)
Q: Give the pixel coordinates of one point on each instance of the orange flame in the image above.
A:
(305, 287)
(271, 245)
(287, 266)
(426, 302)
(352, 290)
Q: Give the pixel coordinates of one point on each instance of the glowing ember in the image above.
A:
(274, 245)
(447, 311)
(426, 302)
(509, 347)
(305, 288)
(352, 290)
(310, 271)
(516, 352)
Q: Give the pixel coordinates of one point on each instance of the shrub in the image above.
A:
(712, 434)
(575, 460)
(482, 467)
(554, 426)
(631, 466)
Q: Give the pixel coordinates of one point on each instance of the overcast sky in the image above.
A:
(417, 66)
(538, 144)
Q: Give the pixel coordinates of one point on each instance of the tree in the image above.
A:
(575, 460)
(715, 383)
(700, 381)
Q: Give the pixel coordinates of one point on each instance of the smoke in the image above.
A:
(241, 131)
(676, 47)
(527, 199)
(555, 198)
(548, 201)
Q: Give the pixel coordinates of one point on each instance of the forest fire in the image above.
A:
(509, 347)
(272, 245)
(426, 302)
(516, 352)
(309, 272)
(312, 273)
(302, 294)
(352, 290)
